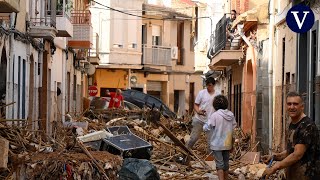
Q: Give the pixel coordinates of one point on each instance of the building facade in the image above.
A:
(295, 67)
(152, 54)
(238, 59)
(41, 81)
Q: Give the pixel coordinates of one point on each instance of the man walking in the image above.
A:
(202, 108)
(302, 155)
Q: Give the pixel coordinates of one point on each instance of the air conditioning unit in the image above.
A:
(174, 52)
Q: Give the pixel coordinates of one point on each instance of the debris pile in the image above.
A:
(32, 154)
(255, 171)
(79, 149)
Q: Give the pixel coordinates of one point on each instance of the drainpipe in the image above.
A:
(270, 70)
(129, 77)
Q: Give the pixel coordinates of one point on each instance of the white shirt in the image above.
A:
(205, 100)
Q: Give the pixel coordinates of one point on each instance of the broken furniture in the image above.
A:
(122, 142)
(125, 143)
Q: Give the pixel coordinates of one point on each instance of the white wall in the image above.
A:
(214, 10)
(120, 34)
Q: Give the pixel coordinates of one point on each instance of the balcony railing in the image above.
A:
(81, 17)
(156, 55)
(44, 25)
(221, 41)
(45, 21)
(82, 29)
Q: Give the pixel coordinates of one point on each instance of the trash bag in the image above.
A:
(138, 169)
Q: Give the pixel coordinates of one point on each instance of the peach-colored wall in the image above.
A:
(107, 78)
(249, 93)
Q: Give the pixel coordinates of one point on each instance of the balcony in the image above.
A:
(94, 51)
(9, 6)
(44, 27)
(156, 55)
(226, 50)
(64, 25)
(82, 30)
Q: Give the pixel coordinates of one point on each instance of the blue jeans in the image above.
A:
(222, 159)
(197, 128)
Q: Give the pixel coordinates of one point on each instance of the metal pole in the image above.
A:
(207, 17)
(270, 72)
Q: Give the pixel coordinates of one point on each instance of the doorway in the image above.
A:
(179, 102)
(3, 82)
(191, 97)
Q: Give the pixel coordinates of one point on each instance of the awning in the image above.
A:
(253, 16)
(165, 12)
(250, 15)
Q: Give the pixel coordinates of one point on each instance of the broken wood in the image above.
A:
(92, 158)
(155, 118)
(4, 150)
(5, 120)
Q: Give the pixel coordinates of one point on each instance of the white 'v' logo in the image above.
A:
(295, 14)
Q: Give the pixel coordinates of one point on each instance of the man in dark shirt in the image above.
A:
(302, 155)
(229, 30)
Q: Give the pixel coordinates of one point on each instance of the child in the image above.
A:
(220, 128)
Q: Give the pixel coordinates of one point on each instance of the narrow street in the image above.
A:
(159, 89)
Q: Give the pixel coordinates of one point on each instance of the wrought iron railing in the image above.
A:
(156, 55)
(220, 34)
(45, 21)
(81, 17)
(48, 18)
(221, 41)
(181, 56)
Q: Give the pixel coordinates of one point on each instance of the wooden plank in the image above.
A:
(4, 150)
(155, 118)
(251, 158)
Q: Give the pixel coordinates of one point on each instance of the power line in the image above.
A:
(171, 19)
(139, 10)
(126, 12)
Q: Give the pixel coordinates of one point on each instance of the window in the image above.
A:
(19, 86)
(155, 40)
(192, 38)
(156, 35)
(196, 23)
(144, 34)
(24, 74)
(293, 80)
(74, 87)
(180, 37)
(237, 103)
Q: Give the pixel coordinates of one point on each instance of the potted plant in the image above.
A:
(67, 8)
